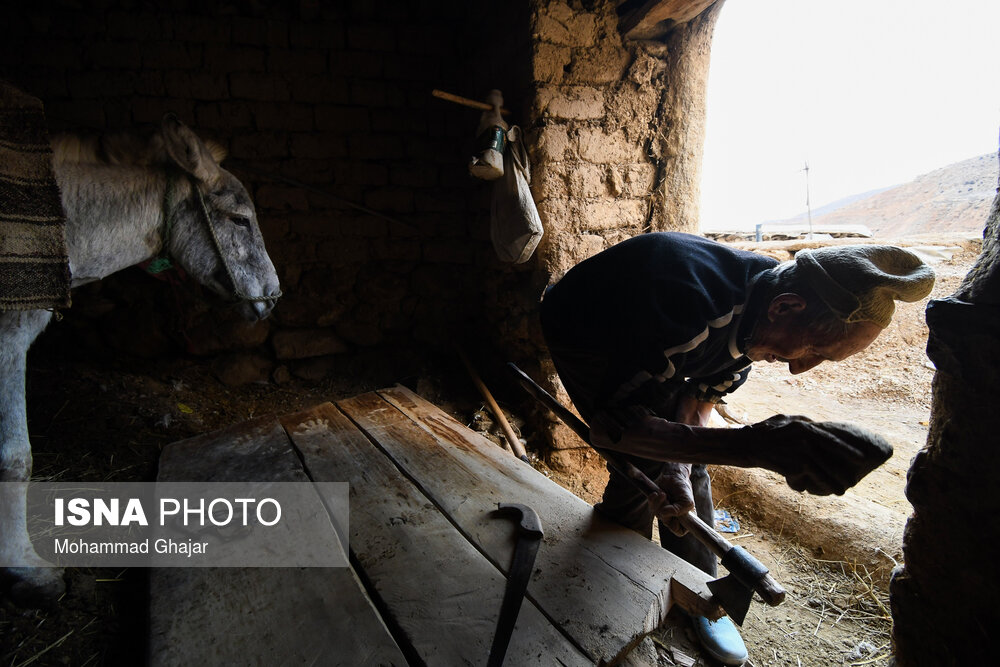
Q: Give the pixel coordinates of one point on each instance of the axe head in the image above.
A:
(733, 596)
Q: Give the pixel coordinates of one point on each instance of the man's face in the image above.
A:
(803, 348)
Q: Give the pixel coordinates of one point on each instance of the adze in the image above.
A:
(746, 574)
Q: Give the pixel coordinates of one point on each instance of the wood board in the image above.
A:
(423, 540)
(266, 616)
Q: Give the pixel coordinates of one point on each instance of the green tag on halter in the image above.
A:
(159, 265)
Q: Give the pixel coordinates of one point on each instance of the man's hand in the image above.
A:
(819, 457)
(676, 498)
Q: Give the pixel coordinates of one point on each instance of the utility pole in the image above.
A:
(808, 209)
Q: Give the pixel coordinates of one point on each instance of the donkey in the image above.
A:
(126, 200)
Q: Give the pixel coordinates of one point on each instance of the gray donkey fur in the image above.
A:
(118, 194)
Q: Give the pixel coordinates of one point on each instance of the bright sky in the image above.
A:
(869, 92)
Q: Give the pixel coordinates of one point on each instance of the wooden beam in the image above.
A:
(655, 18)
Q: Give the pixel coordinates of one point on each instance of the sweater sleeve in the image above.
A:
(713, 389)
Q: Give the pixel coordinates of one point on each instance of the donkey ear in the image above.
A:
(187, 150)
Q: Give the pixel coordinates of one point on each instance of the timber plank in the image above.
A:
(441, 592)
(217, 616)
(610, 584)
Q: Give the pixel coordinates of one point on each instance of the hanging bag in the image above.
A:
(515, 227)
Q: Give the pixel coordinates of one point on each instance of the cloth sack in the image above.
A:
(515, 227)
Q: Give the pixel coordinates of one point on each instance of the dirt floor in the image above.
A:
(106, 417)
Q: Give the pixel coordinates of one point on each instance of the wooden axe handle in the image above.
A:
(466, 102)
(769, 590)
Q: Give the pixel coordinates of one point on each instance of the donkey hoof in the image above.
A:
(33, 587)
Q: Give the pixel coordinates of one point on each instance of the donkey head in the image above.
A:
(215, 236)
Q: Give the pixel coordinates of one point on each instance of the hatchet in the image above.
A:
(746, 574)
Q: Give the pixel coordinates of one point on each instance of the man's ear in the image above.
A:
(785, 305)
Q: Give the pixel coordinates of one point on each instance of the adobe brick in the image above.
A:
(171, 55)
(600, 147)
(138, 27)
(201, 29)
(571, 102)
(319, 90)
(374, 147)
(257, 86)
(283, 116)
(323, 145)
(376, 94)
(311, 61)
(228, 115)
(413, 174)
(203, 86)
(234, 58)
(390, 200)
(260, 145)
(324, 34)
(112, 55)
(613, 214)
(282, 198)
(345, 119)
(150, 82)
(362, 173)
(373, 37)
(343, 250)
(549, 62)
(357, 64)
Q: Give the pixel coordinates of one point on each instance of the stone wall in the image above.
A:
(944, 598)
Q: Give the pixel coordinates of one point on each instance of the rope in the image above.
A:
(162, 262)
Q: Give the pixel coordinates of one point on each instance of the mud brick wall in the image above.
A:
(334, 96)
(325, 104)
(617, 135)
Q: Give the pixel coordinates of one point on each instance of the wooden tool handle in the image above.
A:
(466, 102)
(512, 439)
(765, 585)
(769, 590)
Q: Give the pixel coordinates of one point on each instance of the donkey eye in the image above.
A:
(240, 221)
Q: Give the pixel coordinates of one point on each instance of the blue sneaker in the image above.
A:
(720, 639)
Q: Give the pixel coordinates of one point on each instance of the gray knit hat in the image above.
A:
(859, 283)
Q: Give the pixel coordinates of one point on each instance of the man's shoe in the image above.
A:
(720, 639)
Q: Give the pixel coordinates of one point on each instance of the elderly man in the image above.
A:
(658, 329)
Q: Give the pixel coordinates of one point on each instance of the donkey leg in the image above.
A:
(27, 579)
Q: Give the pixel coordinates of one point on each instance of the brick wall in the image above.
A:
(617, 134)
(335, 97)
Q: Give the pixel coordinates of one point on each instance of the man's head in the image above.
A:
(831, 303)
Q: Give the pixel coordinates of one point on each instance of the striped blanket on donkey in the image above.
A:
(34, 267)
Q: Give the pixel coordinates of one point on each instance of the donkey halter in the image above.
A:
(163, 262)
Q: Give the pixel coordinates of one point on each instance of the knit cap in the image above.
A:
(860, 283)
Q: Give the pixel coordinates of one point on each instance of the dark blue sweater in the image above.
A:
(667, 306)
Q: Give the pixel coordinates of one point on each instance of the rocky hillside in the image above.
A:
(956, 198)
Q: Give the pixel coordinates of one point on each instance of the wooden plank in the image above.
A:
(655, 18)
(216, 616)
(441, 592)
(606, 585)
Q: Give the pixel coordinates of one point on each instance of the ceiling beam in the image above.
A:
(655, 18)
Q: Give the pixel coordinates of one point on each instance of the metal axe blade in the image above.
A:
(733, 596)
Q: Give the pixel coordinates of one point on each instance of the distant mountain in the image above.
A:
(956, 198)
